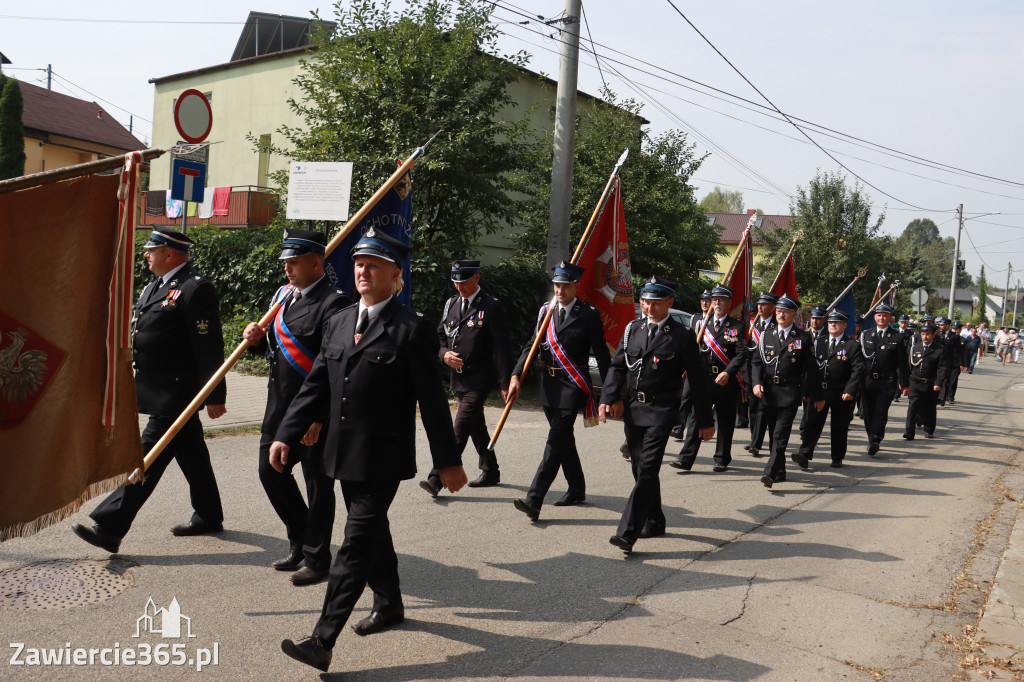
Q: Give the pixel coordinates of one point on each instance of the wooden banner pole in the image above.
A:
(197, 402)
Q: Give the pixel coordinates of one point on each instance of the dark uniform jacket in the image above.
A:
(884, 355)
(954, 344)
(651, 375)
(481, 338)
(760, 325)
(928, 368)
(305, 319)
(177, 344)
(373, 388)
(788, 366)
(580, 335)
(730, 337)
(841, 370)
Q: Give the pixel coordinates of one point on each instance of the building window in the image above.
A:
(263, 167)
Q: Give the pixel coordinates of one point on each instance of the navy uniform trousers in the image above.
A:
(188, 448)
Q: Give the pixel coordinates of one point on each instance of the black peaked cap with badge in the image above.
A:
(302, 242)
(165, 236)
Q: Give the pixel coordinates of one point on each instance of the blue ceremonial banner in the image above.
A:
(846, 306)
(391, 215)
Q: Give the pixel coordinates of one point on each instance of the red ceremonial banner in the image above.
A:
(607, 282)
(786, 281)
(740, 282)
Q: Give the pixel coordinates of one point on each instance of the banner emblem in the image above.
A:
(27, 363)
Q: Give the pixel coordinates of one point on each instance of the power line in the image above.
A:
(762, 109)
(725, 154)
(802, 131)
(60, 77)
(590, 35)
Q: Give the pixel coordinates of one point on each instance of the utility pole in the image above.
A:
(1006, 291)
(956, 260)
(565, 136)
(49, 76)
(1016, 294)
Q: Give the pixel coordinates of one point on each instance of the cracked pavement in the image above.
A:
(828, 576)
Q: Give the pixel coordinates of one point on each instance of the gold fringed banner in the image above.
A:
(63, 246)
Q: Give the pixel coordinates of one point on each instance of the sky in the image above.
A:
(937, 80)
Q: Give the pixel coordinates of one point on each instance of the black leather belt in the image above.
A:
(920, 379)
(882, 375)
(467, 368)
(779, 380)
(551, 370)
(642, 397)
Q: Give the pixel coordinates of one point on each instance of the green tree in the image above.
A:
(383, 83)
(668, 232)
(721, 200)
(981, 313)
(838, 237)
(12, 130)
(921, 235)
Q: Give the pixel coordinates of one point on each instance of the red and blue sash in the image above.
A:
(294, 352)
(581, 380)
(719, 352)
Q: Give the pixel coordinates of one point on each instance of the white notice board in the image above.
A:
(319, 190)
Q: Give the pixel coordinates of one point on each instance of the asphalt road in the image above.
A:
(834, 575)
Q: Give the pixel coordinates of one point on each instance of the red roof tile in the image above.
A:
(733, 224)
(52, 112)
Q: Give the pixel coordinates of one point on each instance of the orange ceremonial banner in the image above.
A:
(69, 428)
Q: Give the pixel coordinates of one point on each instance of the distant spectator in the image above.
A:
(972, 350)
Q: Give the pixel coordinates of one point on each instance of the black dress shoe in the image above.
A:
(194, 528)
(779, 478)
(747, 447)
(767, 481)
(308, 576)
(800, 460)
(678, 464)
(929, 434)
(379, 620)
(836, 465)
(310, 651)
(485, 480)
(622, 543)
(95, 535)
(873, 448)
(651, 530)
(908, 436)
(290, 562)
(527, 508)
(754, 452)
(569, 499)
(430, 488)
(719, 468)
(678, 433)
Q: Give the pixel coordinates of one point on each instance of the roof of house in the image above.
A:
(268, 33)
(733, 224)
(246, 52)
(59, 114)
(967, 295)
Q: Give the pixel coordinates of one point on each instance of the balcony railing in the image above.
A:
(248, 206)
